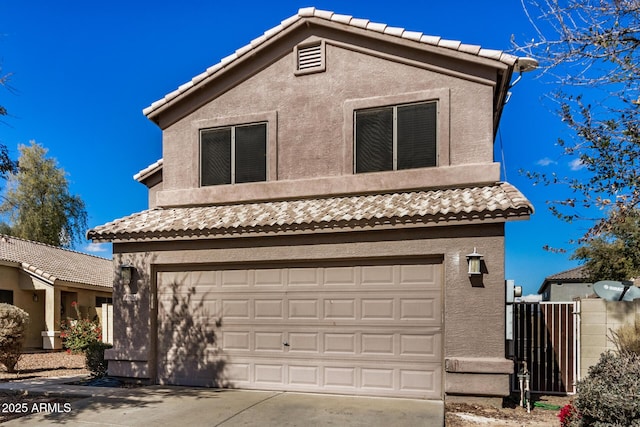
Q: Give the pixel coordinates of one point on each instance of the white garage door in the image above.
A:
(368, 329)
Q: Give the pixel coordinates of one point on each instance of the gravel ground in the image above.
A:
(52, 364)
(512, 415)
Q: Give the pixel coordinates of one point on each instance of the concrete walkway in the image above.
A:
(193, 406)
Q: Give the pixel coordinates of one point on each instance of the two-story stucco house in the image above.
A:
(310, 219)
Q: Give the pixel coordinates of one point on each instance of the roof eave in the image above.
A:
(472, 218)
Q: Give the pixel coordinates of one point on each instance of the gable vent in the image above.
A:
(310, 58)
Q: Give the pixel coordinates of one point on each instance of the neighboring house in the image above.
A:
(309, 222)
(44, 280)
(567, 285)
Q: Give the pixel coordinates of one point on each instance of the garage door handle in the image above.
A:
(286, 344)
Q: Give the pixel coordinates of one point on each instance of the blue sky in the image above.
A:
(83, 71)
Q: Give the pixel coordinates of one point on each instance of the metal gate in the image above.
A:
(546, 337)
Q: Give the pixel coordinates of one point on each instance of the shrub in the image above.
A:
(13, 329)
(627, 338)
(569, 416)
(78, 334)
(610, 394)
(95, 362)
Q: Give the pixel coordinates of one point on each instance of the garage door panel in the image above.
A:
(268, 341)
(305, 376)
(305, 277)
(269, 309)
(236, 309)
(423, 276)
(304, 342)
(378, 275)
(340, 276)
(373, 329)
(304, 309)
(377, 344)
(269, 374)
(421, 381)
(274, 278)
(420, 345)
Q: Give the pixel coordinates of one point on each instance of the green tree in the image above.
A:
(615, 253)
(38, 202)
(6, 164)
(591, 50)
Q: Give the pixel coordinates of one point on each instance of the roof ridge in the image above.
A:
(366, 24)
(5, 238)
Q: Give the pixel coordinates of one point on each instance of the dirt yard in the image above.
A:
(511, 415)
(39, 365)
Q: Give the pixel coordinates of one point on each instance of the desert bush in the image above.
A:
(627, 338)
(78, 334)
(610, 394)
(95, 362)
(13, 329)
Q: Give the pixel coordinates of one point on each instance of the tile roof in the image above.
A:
(501, 200)
(578, 274)
(52, 263)
(149, 170)
(312, 12)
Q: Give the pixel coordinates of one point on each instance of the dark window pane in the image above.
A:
(215, 161)
(6, 297)
(103, 300)
(416, 133)
(374, 140)
(251, 153)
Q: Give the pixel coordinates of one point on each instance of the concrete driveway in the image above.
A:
(185, 406)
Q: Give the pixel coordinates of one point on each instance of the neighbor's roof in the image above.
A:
(574, 275)
(352, 213)
(52, 263)
(312, 12)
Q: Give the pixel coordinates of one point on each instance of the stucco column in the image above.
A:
(51, 337)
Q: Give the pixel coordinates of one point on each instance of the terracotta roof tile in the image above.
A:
(311, 12)
(476, 203)
(53, 263)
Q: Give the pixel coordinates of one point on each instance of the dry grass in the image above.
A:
(627, 338)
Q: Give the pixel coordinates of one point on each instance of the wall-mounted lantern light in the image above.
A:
(35, 297)
(126, 273)
(474, 260)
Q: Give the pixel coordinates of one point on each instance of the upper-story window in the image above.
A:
(395, 137)
(233, 154)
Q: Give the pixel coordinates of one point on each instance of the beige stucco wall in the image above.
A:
(474, 312)
(24, 288)
(310, 153)
(9, 280)
(598, 318)
(311, 119)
